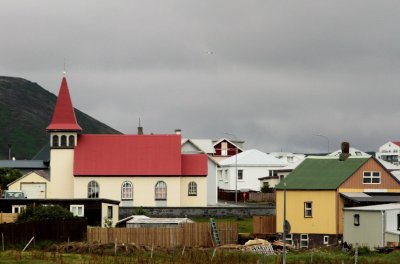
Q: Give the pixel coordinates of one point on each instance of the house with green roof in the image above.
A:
(319, 188)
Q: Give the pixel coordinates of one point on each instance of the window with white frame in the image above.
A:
(109, 211)
(307, 209)
(226, 176)
(304, 240)
(17, 209)
(326, 240)
(240, 175)
(55, 141)
(371, 177)
(160, 190)
(219, 172)
(71, 141)
(63, 141)
(77, 209)
(127, 191)
(192, 188)
(93, 189)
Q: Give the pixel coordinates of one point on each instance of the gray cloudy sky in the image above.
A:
(274, 73)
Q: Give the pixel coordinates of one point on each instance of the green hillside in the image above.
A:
(25, 112)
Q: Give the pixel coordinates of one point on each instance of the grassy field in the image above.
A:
(197, 256)
(245, 225)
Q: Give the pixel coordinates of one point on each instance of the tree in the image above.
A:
(7, 176)
(266, 188)
(41, 212)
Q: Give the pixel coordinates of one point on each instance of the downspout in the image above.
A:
(383, 227)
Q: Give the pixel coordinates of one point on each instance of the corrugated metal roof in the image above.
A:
(22, 164)
(159, 221)
(322, 173)
(352, 151)
(135, 155)
(253, 157)
(379, 207)
(204, 145)
(193, 165)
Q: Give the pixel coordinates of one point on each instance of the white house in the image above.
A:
(250, 166)
(390, 152)
(137, 170)
(353, 152)
(372, 226)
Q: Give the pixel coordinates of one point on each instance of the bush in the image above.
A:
(40, 212)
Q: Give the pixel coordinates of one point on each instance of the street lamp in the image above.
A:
(236, 168)
(325, 137)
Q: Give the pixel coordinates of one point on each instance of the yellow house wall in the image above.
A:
(104, 212)
(323, 220)
(143, 189)
(201, 198)
(61, 183)
(30, 178)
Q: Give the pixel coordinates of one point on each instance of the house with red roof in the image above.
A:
(137, 170)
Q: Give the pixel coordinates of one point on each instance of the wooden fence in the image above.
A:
(264, 224)
(55, 230)
(262, 197)
(189, 235)
(8, 218)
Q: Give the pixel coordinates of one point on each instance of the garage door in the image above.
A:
(34, 190)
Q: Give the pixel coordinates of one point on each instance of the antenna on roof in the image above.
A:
(64, 72)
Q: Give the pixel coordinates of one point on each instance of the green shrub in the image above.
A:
(40, 212)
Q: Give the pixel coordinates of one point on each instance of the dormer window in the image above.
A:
(55, 141)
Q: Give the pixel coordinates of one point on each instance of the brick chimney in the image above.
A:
(345, 151)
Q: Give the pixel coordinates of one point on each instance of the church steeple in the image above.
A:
(64, 116)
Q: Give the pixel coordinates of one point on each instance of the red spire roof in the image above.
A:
(64, 115)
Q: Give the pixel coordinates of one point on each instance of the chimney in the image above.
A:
(178, 131)
(345, 151)
(139, 129)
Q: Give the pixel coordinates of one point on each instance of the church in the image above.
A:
(137, 170)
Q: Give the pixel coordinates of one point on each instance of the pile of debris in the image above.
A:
(260, 246)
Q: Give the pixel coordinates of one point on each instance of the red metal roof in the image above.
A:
(64, 115)
(396, 142)
(194, 165)
(133, 155)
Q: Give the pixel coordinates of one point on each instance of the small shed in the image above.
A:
(157, 222)
(372, 226)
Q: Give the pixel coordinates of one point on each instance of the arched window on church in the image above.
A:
(63, 141)
(93, 189)
(161, 191)
(55, 141)
(71, 141)
(127, 191)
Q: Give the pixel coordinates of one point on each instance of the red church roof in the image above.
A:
(134, 155)
(194, 165)
(64, 115)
